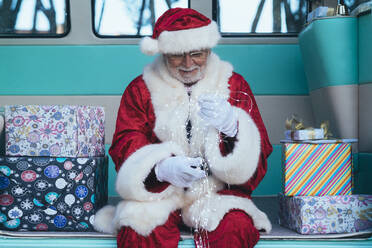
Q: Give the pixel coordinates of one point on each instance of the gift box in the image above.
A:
(51, 194)
(326, 214)
(319, 12)
(305, 134)
(54, 130)
(317, 169)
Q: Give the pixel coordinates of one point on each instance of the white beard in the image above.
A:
(174, 72)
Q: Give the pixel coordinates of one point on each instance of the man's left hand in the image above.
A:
(218, 113)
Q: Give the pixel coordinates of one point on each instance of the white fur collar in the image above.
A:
(172, 104)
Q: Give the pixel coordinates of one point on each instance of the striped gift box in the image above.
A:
(317, 169)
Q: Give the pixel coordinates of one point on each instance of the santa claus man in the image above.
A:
(189, 146)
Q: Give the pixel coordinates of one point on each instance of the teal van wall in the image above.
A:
(362, 174)
(68, 70)
(365, 48)
(329, 49)
(107, 69)
(330, 62)
(269, 69)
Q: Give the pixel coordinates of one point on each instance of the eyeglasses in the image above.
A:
(197, 56)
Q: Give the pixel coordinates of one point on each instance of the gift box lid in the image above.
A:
(321, 141)
(304, 134)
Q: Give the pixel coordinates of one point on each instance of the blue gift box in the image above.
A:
(51, 194)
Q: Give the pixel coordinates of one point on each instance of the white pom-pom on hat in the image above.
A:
(149, 46)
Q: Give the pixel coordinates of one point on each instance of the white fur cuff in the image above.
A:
(238, 166)
(134, 171)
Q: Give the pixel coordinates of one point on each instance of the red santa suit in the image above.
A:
(152, 125)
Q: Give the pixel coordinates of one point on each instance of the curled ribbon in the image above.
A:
(325, 126)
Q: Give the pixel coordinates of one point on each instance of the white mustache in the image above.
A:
(188, 69)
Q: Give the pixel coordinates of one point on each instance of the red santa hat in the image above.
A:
(181, 30)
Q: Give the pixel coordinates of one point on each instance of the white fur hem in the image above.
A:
(238, 166)
(144, 217)
(134, 171)
(103, 220)
(208, 211)
(201, 188)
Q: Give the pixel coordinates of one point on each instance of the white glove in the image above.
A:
(180, 171)
(218, 113)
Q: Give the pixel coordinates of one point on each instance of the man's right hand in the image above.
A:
(179, 170)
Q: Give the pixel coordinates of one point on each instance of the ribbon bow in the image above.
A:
(294, 124)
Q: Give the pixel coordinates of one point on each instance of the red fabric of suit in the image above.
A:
(237, 164)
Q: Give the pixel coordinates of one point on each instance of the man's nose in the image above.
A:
(188, 62)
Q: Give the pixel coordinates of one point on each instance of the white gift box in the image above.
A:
(305, 134)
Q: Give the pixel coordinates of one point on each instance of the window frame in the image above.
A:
(43, 35)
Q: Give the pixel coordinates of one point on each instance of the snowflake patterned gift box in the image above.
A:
(317, 169)
(326, 214)
(51, 194)
(54, 130)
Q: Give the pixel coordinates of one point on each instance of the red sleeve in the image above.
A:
(134, 125)
(133, 129)
(241, 96)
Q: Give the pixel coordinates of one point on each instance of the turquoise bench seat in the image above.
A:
(279, 237)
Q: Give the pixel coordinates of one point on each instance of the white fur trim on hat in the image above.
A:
(149, 46)
(181, 41)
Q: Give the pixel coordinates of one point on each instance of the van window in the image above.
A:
(34, 18)
(129, 18)
(260, 17)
